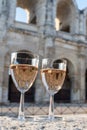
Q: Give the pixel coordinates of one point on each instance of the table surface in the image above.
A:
(64, 122)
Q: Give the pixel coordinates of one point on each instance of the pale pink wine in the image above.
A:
(23, 75)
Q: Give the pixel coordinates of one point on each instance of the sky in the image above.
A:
(21, 15)
(81, 4)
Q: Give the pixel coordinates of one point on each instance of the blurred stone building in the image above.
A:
(54, 28)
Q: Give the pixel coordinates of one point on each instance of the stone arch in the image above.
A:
(12, 94)
(66, 11)
(65, 94)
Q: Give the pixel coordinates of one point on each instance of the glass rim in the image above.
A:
(19, 58)
(54, 60)
(25, 52)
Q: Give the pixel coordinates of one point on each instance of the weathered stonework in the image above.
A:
(40, 35)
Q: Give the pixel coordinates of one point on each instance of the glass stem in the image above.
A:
(21, 116)
(51, 107)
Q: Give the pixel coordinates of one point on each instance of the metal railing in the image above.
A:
(42, 109)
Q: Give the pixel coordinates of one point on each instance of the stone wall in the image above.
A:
(43, 39)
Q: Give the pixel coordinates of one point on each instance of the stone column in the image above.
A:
(0, 6)
(85, 22)
(49, 35)
(78, 79)
(40, 15)
(75, 89)
(50, 32)
(77, 23)
(1, 79)
(1, 73)
(3, 18)
(0, 93)
(12, 11)
(81, 27)
(3, 51)
(5, 91)
(82, 70)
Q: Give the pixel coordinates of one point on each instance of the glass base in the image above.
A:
(21, 118)
(47, 118)
(30, 118)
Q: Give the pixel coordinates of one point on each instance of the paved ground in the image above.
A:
(70, 122)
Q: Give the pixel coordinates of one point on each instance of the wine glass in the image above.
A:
(24, 69)
(52, 75)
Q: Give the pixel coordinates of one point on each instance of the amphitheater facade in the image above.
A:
(54, 28)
